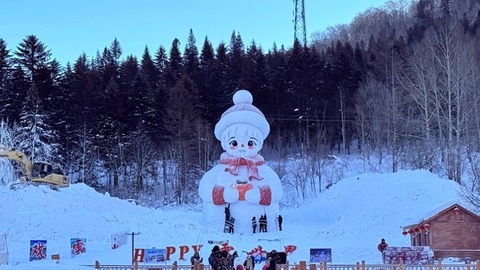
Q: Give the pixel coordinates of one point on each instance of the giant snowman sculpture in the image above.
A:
(242, 183)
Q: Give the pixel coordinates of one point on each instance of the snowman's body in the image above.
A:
(242, 181)
(241, 209)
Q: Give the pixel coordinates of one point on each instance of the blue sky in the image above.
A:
(69, 28)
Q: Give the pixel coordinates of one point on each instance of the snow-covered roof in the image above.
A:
(440, 209)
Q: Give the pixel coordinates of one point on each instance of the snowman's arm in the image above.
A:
(277, 190)
(206, 185)
(212, 192)
(274, 183)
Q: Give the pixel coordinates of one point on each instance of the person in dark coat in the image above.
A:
(265, 223)
(280, 220)
(272, 260)
(260, 224)
(231, 224)
(211, 258)
(195, 259)
(232, 260)
(381, 247)
(219, 259)
(249, 263)
(227, 213)
(262, 221)
(254, 224)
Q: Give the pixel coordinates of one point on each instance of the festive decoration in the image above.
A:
(320, 255)
(38, 250)
(290, 249)
(77, 246)
(154, 255)
(404, 233)
(226, 247)
(258, 254)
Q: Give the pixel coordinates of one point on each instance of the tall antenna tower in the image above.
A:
(300, 31)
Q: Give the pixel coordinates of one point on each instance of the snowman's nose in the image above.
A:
(242, 145)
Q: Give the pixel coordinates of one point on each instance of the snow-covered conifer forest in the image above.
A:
(397, 87)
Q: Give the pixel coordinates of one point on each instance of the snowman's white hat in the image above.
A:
(242, 112)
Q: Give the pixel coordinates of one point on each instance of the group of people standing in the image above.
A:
(262, 222)
(221, 259)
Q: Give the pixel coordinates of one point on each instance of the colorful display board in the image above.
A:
(155, 255)
(320, 255)
(38, 250)
(3, 249)
(77, 246)
(408, 255)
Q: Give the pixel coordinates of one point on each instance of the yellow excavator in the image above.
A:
(35, 172)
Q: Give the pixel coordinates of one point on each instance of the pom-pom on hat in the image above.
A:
(242, 112)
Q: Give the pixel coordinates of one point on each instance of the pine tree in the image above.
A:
(174, 67)
(7, 170)
(190, 57)
(34, 134)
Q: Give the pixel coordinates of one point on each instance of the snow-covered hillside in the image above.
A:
(350, 218)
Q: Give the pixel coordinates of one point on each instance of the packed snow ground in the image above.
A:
(350, 218)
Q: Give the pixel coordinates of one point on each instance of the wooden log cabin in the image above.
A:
(450, 231)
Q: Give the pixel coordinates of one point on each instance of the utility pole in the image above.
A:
(133, 243)
(300, 31)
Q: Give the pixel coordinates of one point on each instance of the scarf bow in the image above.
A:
(233, 163)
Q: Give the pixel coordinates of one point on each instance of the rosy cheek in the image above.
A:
(232, 147)
(251, 147)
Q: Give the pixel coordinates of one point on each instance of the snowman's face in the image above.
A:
(242, 143)
(243, 146)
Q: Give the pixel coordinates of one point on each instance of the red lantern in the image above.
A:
(410, 231)
(417, 230)
(404, 233)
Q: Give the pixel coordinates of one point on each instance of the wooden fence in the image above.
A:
(303, 266)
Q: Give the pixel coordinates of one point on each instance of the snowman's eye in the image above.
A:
(251, 143)
(233, 143)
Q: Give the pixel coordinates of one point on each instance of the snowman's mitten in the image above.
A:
(253, 195)
(230, 195)
(217, 195)
(265, 195)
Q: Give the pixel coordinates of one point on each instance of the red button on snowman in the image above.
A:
(242, 181)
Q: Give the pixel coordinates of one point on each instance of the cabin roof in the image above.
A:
(440, 210)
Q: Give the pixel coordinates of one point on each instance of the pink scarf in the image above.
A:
(235, 162)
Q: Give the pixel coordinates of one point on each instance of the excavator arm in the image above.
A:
(38, 172)
(20, 158)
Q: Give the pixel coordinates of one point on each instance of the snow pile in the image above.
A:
(350, 218)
